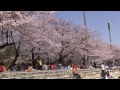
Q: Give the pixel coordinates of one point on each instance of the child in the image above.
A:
(109, 76)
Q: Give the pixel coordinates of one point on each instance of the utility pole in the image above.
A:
(84, 18)
(85, 25)
(109, 29)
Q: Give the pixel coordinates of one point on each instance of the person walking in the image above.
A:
(102, 70)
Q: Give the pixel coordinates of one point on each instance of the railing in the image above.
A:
(39, 74)
(49, 74)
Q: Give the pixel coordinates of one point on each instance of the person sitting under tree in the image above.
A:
(108, 75)
(75, 72)
(30, 68)
(2, 68)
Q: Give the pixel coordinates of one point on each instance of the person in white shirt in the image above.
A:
(70, 67)
(102, 70)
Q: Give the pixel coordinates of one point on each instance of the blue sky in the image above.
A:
(97, 20)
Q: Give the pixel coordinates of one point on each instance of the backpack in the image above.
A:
(1, 69)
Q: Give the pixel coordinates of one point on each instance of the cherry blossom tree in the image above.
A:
(42, 34)
(35, 34)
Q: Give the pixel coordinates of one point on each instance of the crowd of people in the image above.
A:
(42, 66)
(105, 69)
(38, 66)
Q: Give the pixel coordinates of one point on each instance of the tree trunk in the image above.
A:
(88, 62)
(16, 55)
(33, 58)
(84, 61)
(69, 62)
(60, 61)
(7, 37)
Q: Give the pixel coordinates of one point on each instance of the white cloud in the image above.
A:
(51, 12)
